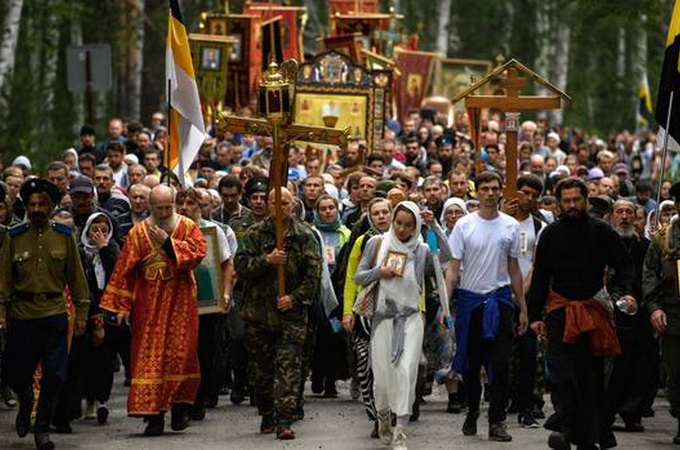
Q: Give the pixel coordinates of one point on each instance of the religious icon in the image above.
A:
(211, 58)
(396, 261)
(237, 48)
(358, 75)
(413, 84)
(307, 71)
(329, 254)
(209, 275)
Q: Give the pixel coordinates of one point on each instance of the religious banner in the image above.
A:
(412, 86)
(333, 92)
(242, 69)
(453, 76)
(291, 25)
(353, 6)
(210, 55)
(349, 44)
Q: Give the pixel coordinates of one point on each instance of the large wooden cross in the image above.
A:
(277, 125)
(512, 103)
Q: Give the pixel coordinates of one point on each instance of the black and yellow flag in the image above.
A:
(670, 82)
(644, 114)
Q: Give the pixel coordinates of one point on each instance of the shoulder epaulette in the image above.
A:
(19, 229)
(63, 229)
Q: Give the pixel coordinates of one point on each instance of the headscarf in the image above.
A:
(73, 152)
(650, 225)
(451, 201)
(22, 160)
(92, 250)
(323, 226)
(404, 290)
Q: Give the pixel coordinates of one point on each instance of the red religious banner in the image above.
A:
(412, 86)
(353, 7)
(291, 33)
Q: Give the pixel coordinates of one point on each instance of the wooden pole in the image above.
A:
(278, 214)
(167, 156)
(511, 130)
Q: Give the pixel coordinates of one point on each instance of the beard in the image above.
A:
(167, 224)
(574, 216)
(626, 231)
(38, 218)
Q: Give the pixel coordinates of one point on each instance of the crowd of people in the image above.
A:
(406, 266)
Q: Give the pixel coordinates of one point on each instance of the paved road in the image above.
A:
(330, 424)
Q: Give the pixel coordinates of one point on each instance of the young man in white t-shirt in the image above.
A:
(525, 351)
(486, 246)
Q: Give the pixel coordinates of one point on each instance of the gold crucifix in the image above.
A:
(511, 103)
(276, 94)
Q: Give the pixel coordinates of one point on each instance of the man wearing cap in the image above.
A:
(643, 195)
(660, 299)
(256, 194)
(39, 259)
(88, 143)
(445, 146)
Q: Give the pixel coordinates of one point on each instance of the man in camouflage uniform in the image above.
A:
(275, 327)
(38, 260)
(660, 285)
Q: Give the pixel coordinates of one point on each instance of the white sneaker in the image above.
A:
(399, 439)
(385, 427)
(90, 410)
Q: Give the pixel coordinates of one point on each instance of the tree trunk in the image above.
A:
(50, 61)
(78, 98)
(561, 67)
(509, 19)
(8, 45)
(444, 25)
(136, 60)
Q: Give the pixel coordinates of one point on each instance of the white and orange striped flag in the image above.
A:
(187, 129)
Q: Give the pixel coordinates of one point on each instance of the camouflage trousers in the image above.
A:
(275, 357)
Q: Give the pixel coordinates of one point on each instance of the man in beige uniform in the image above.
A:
(39, 259)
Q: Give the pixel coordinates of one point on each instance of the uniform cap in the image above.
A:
(256, 185)
(39, 185)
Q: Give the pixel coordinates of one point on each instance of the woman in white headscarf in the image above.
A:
(397, 337)
(454, 208)
(70, 158)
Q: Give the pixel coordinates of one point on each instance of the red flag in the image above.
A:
(290, 37)
(353, 7)
(412, 87)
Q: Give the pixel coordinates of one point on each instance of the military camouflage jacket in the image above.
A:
(302, 273)
(659, 276)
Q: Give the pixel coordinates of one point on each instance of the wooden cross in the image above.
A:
(512, 103)
(276, 125)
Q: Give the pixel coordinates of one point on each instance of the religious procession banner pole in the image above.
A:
(167, 155)
(664, 154)
(275, 100)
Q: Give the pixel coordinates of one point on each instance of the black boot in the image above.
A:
(155, 425)
(470, 425)
(179, 419)
(454, 404)
(329, 389)
(23, 421)
(42, 440)
(676, 439)
(238, 389)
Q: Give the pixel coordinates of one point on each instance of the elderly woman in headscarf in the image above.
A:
(454, 208)
(667, 210)
(328, 363)
(101, 252)
(396, 261)
(378, 213)
(70, 158)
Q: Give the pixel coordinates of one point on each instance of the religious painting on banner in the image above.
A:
(292, 25)
(209, 276)
(331, 91)
(210, 55)
(414, 82)
(453, 76)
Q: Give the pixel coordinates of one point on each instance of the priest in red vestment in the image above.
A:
(153, 288)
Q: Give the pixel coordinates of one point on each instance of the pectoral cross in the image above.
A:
(275, 95)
